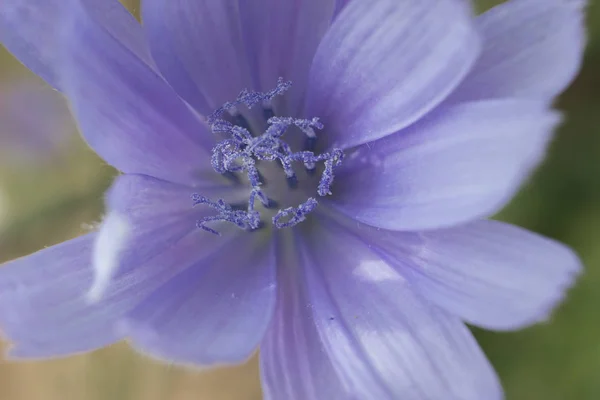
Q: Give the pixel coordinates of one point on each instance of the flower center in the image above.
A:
(241, 152)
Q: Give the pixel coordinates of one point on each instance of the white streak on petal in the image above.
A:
(111, 241)
(376, 271)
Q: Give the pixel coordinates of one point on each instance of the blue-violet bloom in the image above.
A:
(307, 177)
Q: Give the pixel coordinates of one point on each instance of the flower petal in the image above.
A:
(214, 312)
(339, 6)
(30, 29)
(43, 303)
(386, 63)
(198, 47)
(159, 215)
(206, 293)
(348, 326)
(110, 242)
(126, 112)
(488, 273)
(281, 40)
(460, 163)
(531, 49)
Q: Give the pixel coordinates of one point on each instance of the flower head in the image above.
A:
(337, 222)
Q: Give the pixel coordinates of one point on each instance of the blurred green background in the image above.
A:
(60, 196)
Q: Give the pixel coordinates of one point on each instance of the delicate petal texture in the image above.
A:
(198, 47)
(339, 6)
(160, 213)
(126, 112)
(489, 273)
(110, 242)
(163, 240)
(457, 164)
(217, 302)
(281, 39)
(531, 49)
(294, 364)
(43, 306)
(214, 312)
(30, 29)
(367, 335)
(385, 63)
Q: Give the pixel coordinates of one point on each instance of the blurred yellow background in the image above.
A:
(60, 196)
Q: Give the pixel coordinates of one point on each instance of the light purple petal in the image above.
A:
(281, 39)
(43, 303)
(214, 294)
(386, 63)
(161, 213)
(294, 364)
(349, 326)
(459, 163)
(163, 239)
(126, 112)
(214, 312)
(531, 49)
(488, 273)
(198, 47)
(30, 29)
(339, 6)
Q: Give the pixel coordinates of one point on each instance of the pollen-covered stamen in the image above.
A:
(333, 159)
(242, 151)
(261, 196)
(298, 214)
(249, 219)
(250, 99)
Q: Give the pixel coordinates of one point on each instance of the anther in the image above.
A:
(332, 160)
(241, 152)
(250, 99)
(298, 214)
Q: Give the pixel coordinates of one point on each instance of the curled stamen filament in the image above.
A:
(298, 214)
(241, 151)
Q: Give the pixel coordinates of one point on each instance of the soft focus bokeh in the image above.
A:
(51, 189)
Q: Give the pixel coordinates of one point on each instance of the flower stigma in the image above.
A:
(241, 152)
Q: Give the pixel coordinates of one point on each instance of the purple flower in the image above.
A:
(337, 224)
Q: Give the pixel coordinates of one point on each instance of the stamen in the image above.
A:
(241, 152)
(249, 220)
(298, 214)
(250, 99)
(333, 160)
